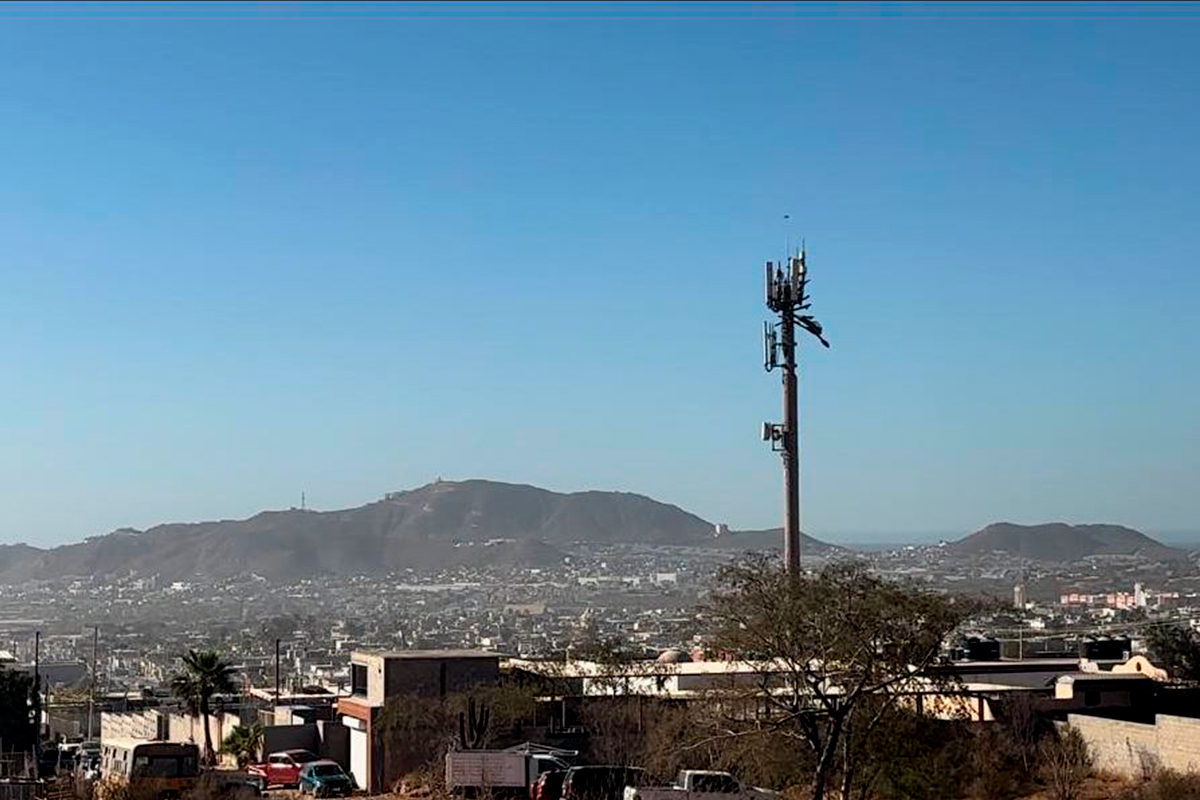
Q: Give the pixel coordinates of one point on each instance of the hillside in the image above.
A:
(772, 539)
(1061, 542)
(439, 525)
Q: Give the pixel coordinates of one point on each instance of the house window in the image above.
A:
(358, 679)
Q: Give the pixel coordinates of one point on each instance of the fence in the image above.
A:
(18, 789)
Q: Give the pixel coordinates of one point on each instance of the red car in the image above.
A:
(282, 768)
(548, 785)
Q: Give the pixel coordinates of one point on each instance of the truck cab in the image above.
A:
(699, 784)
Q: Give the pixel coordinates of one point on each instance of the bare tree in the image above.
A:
(836, 654)
(1065, 763)
(1025, 727)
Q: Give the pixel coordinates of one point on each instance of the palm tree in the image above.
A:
(205, 675)
(243, 743)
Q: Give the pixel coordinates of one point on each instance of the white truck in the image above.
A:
(499, 772)
(697, 784)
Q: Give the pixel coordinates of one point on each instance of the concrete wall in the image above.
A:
(374, 665)
(70, 721)
(327, 739)
(1179, 742)
(335, 742)
(436, 677)
(1128, 748)
(1117, 746)
(145, 724)
(186, 728)
(291, 737)
(430, 676)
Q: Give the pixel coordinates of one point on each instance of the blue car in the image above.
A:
(325, 778)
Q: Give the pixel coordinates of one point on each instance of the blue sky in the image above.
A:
(258, 251)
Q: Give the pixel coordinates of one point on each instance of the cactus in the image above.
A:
(472, 726)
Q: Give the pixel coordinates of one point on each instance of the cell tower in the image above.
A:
(787, 296)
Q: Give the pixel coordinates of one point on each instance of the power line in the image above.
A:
(1099, 628)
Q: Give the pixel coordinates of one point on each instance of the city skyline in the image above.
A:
(254, 254)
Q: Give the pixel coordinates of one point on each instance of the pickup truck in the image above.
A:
(281, 768)
(695, 784)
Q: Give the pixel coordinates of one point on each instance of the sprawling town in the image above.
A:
(106, 652)
(644, 597)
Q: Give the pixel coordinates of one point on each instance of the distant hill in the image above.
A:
(442, 524)
(14, 556)
(772, 539)
(1058, 541)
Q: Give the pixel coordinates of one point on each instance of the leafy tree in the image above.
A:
(244, 743)
(17, 728)
(205, 675)
(1175, 648)
(840, 650)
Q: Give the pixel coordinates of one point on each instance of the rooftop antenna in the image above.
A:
(787, 298)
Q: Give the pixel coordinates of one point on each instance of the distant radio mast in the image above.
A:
(787, 297)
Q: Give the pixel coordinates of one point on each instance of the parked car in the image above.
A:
(548, 785)
(325, 778)
(282, 768)
(68, 756)
(228, 785)
(696, 784)
(600, 783)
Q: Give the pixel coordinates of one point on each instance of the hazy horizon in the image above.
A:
(865, 539)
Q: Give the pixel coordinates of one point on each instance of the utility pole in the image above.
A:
(787, 296)
(92, 690)
(276, 672)
(37, 688)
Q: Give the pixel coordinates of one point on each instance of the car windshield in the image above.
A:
(714, 784)
(302, 756)
(326, 769)
(162, 766)
(604, 779)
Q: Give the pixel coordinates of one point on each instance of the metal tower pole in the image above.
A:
(37, 688)
(787, 297)
(791, 450)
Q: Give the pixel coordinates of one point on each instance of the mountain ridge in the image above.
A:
(1063, 542)
(444, 523)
